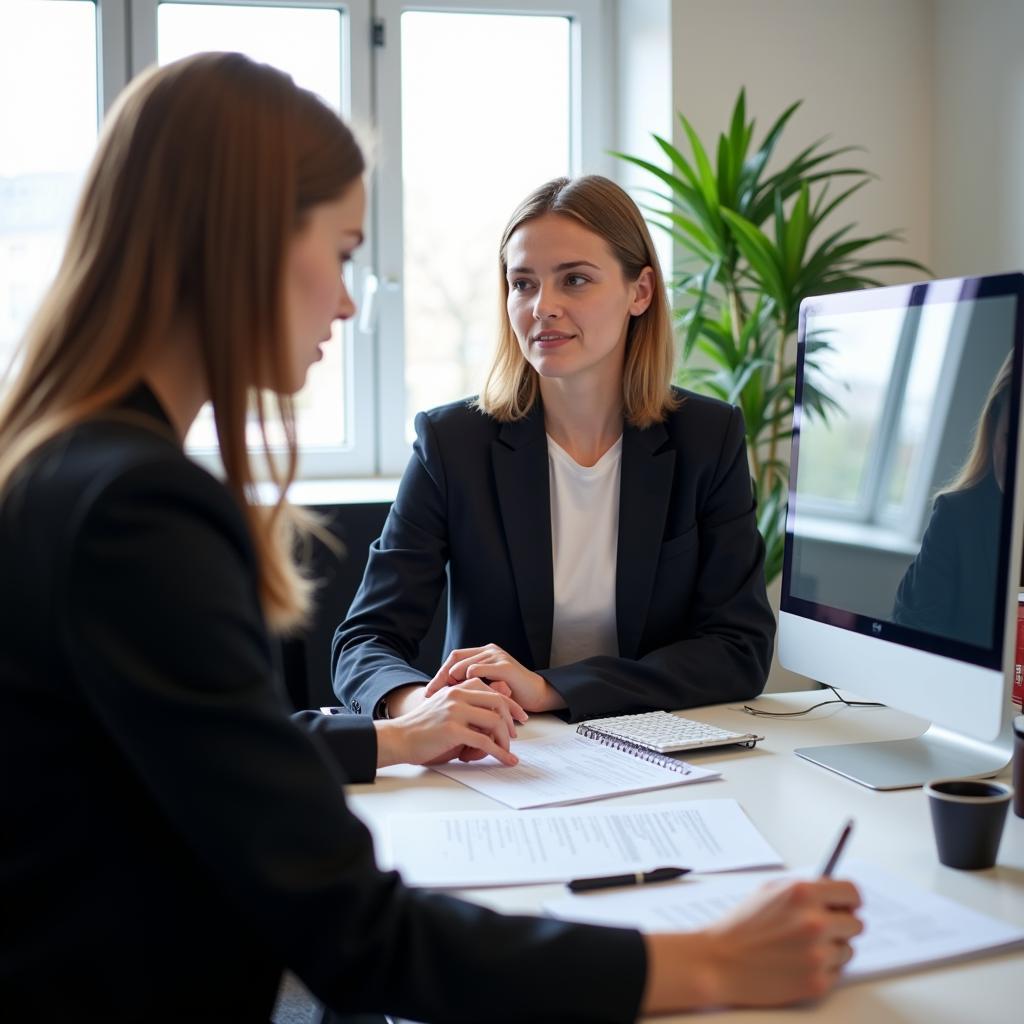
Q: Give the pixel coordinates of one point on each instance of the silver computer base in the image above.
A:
(903, 764)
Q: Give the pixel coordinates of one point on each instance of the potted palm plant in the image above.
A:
(756, 241)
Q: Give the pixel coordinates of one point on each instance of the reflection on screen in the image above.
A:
(899, 477)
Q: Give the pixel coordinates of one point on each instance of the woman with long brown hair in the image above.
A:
(170, 295)
(948, 588)
(171, 840)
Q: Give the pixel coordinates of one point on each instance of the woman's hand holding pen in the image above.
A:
(468, 721)
(786, 943)
(789, 941)
(501, 672)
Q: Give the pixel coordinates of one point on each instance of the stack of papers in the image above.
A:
(473, 849)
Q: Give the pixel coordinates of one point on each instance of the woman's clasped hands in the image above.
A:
(499, 670)
(466, 721)
(468, 710)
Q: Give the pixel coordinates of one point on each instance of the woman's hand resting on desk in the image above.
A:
(785, 944)
(501, 672)
(467, 722)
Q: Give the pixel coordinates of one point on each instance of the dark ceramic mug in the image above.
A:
(968, 817)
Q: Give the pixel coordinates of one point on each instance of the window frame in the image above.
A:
(371, 101)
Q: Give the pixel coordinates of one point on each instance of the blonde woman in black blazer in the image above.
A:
(584, 357)
(171, 839)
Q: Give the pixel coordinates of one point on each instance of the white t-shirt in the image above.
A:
(584, 550)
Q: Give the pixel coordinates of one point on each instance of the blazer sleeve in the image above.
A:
(350, 740)
(924, 598)
(163, 625)
(402, 584)
(725, 635)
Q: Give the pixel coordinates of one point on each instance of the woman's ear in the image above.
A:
(643, 292)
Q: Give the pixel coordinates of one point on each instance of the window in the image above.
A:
(841, 461)
(48, 77)
(522, 123)
(874, 463)
(459, 124)
(312, 44)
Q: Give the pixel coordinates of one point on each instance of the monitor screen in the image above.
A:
(902, 486)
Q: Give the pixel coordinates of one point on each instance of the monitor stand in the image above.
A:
(903, 764)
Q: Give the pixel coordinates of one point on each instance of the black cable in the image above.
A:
(837, 700)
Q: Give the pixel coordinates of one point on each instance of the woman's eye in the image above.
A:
(519, 285)
(575, 280)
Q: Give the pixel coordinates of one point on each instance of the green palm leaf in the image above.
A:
(757, 242)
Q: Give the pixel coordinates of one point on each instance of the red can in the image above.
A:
(1018, 668)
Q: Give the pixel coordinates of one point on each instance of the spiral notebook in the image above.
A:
(652, 733)
(567, 768)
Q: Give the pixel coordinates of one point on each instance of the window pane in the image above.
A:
(833, 459)
(306, 43)
(918, 407)
(485, 119)
(48, 120)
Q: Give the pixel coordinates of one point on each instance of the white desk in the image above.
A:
(799, 807)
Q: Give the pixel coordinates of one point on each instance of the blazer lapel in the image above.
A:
(520, 460)
(644, 491)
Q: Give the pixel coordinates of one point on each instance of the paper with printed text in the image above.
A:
(468, 849)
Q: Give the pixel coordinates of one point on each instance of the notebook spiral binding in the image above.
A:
(635, 749)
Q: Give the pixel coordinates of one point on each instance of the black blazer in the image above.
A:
(169, 839)
(694, 624)
(949, 588)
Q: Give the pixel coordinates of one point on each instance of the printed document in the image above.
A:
(486, 848)
(566, 768)
(904, 926)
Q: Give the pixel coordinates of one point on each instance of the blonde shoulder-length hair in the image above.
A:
(511, 386)
(980, 462)
(204, 171)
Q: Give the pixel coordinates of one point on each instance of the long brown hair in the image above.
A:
(979, 462)
(204, 170)
(602, 207)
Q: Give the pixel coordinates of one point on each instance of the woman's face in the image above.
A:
(314, 272)
(568, 301)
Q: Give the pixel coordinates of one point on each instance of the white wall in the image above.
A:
(863, 70)
(978, 180)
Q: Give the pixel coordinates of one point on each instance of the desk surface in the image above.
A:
(799, 808)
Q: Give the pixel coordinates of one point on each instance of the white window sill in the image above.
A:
(856, 535)
(354, 491)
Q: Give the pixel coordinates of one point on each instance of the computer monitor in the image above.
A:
(904, 519)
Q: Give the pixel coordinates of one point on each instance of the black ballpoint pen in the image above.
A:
(634, 878)
(833, 857)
